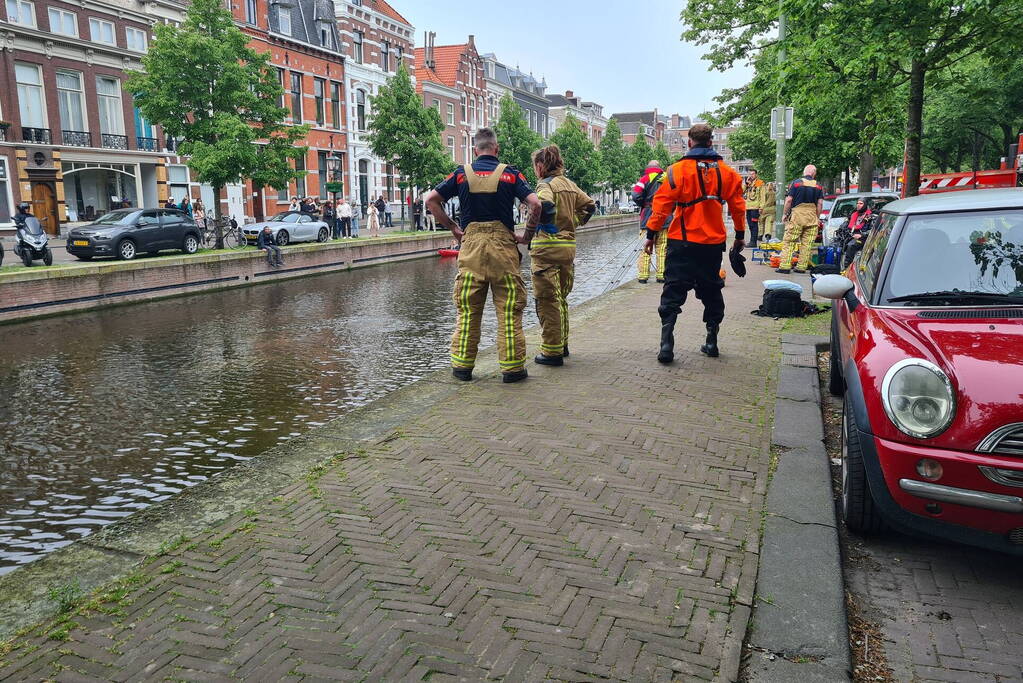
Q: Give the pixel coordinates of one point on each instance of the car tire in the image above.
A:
(322, 235)
(48, 257)
(190, 244)
(859, 511)
(836, 380)
(283, 238)
(126, 250)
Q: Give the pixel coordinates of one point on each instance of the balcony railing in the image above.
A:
(171, 144)
(39, 135)
(146, 144)
(114, 141)
(76, 138)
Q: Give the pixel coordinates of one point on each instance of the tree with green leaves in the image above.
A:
(642, 153)
(516, 139)
(662, 154)
(406, 134)
(581, 157)
(616, 159)
(202, 83)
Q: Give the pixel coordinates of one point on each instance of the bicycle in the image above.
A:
(233, 239)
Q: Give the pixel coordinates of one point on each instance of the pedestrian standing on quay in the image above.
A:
(552, 251)
(199, 214)
(294, 205)
(169, 204)
(642, 196)
(803, 205)
(753, 193)
(694, 190)
(417, 214)
(186, 206)
(344, 218)
(373, 218)
(356, 212)
(388, 215)
(767, 210)
(489, 257)
(329, 216)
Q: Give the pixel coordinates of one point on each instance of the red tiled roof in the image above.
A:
(447, 59)
(382, 7)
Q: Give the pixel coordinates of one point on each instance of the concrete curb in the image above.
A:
(800, 627)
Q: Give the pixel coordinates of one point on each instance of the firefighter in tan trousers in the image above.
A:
(489, 257)
(803, 204)
(552, 250)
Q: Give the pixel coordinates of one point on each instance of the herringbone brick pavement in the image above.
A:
(599, 521)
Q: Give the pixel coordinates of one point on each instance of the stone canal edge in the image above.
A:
(601, 520)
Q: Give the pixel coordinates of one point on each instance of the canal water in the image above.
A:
(107, 412)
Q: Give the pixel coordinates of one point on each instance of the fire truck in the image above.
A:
(1009, 175)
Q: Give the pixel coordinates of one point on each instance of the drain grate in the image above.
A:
(973, 313)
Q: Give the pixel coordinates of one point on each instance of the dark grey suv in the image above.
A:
(125, 233)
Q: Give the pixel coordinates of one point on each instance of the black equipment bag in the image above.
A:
(784, 303)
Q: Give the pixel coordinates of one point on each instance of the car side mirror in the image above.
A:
(836, 287)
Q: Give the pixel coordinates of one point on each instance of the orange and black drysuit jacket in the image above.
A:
(694, 191)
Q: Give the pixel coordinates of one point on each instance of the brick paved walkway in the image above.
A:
(947, 612)
(599, 521)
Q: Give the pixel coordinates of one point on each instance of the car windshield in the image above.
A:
(956, 256)
(115, 218)
(285, 218)
(828, 203)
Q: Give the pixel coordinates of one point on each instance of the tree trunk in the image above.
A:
(914, 126)
(217, 213)
(866, 172)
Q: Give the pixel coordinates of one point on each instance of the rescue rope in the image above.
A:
(623, 266)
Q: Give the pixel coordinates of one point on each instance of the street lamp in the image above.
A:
(334, 164)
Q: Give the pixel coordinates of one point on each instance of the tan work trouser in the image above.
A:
(800, 231)
(660, 249)
(489, 259)
(553, 266)
(766, 223)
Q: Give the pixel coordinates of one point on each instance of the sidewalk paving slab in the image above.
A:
(599, 520)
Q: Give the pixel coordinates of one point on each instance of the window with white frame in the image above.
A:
(385, 55)
(21, 12)
(451, 146)
(284, 19)
(451, 115)
(360, 110)
(136, 39)
(63, 22)
(464, 119)
(101, 31)
(111, 114)
(6, 199)
(71, 101)
(357, 46)
(250, 12)
(436, 104)
(472, 111)
(31, 104)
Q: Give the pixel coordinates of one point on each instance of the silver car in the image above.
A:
(845, 204)
(290, 226)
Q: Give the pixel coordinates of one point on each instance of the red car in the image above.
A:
(927, 348)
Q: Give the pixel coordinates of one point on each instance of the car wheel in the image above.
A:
(858, 507)
(836, 380)
(48, 257)
(190, 245)
(26, 257)
(322, 235)
(126, 250)
(283, 238)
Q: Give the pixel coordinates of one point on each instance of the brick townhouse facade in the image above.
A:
(376, 39)
(590, 115)
(72, 143)
(453, 77)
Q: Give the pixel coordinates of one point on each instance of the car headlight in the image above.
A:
(918, 398)
(101, 236)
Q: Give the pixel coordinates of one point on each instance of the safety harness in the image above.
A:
(701, 168)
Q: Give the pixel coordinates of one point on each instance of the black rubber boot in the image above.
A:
(564, 354)
(711, 347)
(555, 361)
(666, 353)
(517, 376)
(464, 374)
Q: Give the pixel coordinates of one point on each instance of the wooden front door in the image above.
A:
(44, 207)
(258, 212)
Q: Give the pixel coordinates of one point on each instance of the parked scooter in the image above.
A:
(31, 242)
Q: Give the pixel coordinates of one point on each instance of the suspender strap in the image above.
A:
(483, 184)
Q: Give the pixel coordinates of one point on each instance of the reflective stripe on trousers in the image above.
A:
(661, 249)
(553, 266)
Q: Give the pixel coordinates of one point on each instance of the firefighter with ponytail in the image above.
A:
(552, 250)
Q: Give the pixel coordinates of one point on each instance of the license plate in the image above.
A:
(81, 243)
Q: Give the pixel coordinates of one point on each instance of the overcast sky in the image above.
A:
(627, 56)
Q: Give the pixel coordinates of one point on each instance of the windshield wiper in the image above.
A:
(958, 295)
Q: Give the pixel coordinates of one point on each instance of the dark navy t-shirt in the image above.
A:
(802, 193)
(480, 208)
